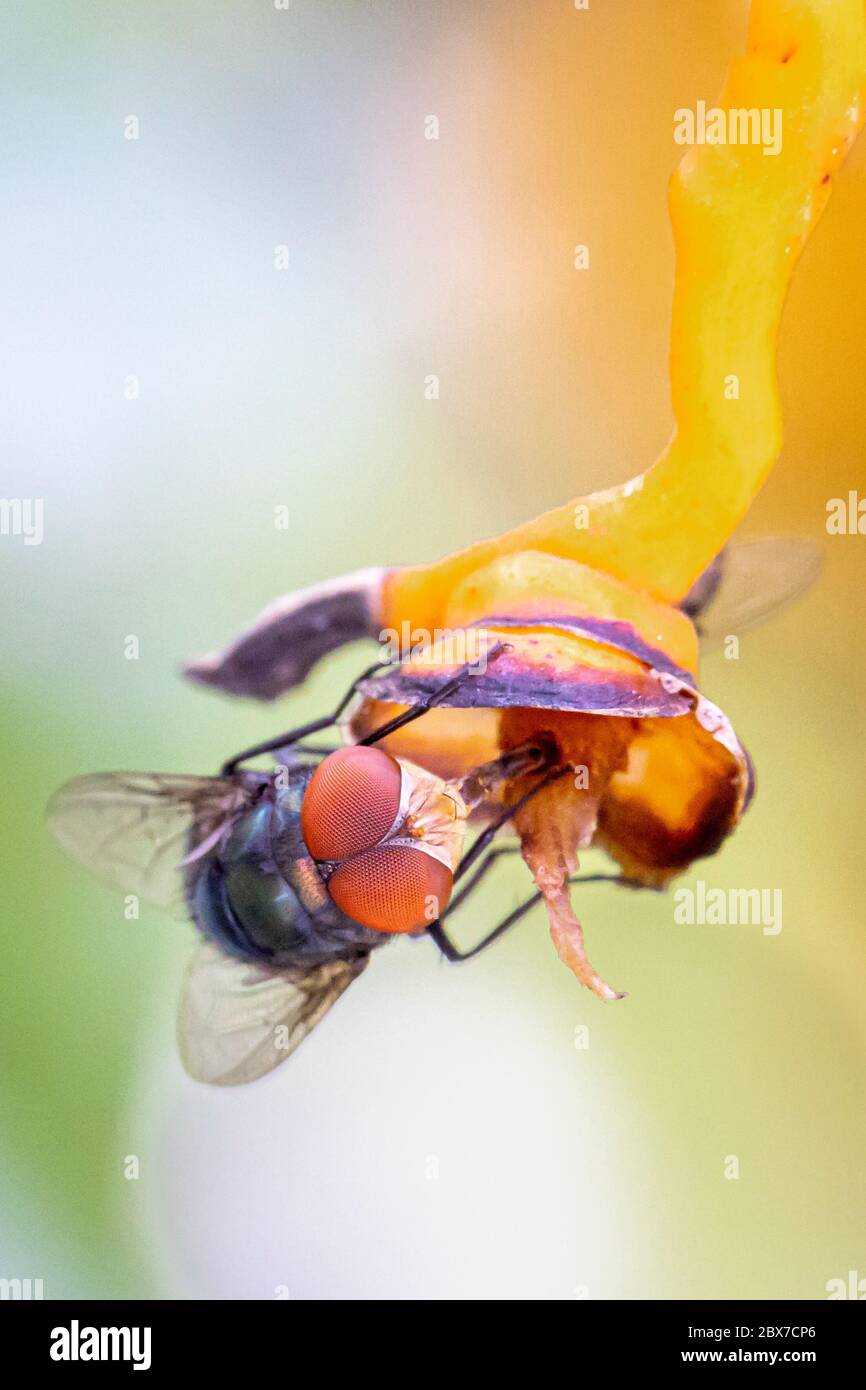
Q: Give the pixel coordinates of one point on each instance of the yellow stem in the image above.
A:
(740, 218)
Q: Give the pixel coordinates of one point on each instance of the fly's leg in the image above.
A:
(316, 725)
(294, 735)
(471, 858)
(474, 853)
(481, 872)
(410, 715)
(316, 749)
(452, 952)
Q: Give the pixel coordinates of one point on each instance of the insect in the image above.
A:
(294, 876)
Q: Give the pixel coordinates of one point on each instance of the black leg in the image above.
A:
(480, 873)
(318, 749)
(401, 720)
(314, 727)
(285, 740)
(453, 953)
(483, 840)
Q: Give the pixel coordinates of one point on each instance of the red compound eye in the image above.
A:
(392, 889)
(350, 803)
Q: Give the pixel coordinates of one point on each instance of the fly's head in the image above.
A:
(386, 837)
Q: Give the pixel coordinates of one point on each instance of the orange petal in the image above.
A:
(551, 826)
(567, 934)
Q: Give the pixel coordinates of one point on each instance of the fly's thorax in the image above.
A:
(263, 898)
(243, 901)
(286, 842)
(306, 877)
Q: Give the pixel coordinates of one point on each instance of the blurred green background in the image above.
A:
(442, 1135)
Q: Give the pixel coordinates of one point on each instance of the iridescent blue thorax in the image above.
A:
(262, 897)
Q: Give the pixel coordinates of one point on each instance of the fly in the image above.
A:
(296, 875)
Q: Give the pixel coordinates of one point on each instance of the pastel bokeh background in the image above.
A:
(441, 1135)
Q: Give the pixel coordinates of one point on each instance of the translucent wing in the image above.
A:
(748, 582)
(238, 1021)
(136, 829)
